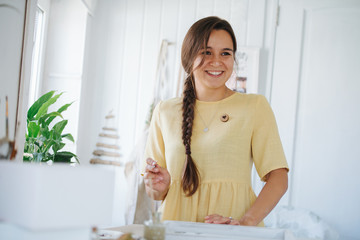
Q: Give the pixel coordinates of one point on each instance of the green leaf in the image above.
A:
(64, 107)
(57, 146)
(59, 127)
(61, 145)
(74, 155)
(33, 110)
(44, 120)
(44, 107)
(44, 131)
(68, 136)
(60, 110)
(33, 129)
(64, 157)
(56, 136)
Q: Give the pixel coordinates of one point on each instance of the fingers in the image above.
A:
(218, 219)
(152, 173)
(154, 178)
(234, 222)
(151, 162)
(151, 166)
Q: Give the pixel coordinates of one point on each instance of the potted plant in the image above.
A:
(43, 144)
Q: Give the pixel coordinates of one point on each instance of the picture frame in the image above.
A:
(245, 77)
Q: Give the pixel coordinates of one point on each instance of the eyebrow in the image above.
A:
(226, 49)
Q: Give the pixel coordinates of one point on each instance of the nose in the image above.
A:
(215, 61)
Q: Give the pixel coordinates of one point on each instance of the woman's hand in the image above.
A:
(218, 219)
(156, 179)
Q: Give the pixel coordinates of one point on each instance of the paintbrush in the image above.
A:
(7, 118)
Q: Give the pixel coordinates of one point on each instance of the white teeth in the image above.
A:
(214, 73)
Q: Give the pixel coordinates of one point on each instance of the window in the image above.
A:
(37, 55)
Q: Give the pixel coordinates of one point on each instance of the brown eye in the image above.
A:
(206, 53)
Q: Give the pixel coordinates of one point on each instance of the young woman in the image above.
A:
(201, 147)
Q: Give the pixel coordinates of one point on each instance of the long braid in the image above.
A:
(195, 40)
(190, 179)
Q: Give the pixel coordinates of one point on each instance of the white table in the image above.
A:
(176, 230)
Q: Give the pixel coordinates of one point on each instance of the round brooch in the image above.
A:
(224, 118)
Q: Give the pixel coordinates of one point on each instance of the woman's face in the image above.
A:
(218, 63)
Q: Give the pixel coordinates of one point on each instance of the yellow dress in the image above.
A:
(224, 155)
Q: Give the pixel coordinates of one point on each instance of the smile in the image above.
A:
(214, 73)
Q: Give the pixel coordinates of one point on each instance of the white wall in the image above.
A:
(315, 96)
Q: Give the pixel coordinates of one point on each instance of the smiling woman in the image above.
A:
(204, 175)
(120, 42)
(213, 66)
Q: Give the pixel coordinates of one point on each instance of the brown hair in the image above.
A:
(196, 39)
